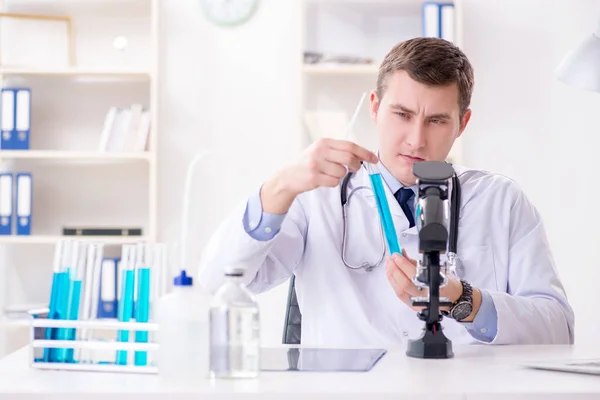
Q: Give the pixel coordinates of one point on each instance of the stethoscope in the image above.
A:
(454, 217)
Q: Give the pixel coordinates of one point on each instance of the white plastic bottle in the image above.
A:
(183, 332)
(234, 330)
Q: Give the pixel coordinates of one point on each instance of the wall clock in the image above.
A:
(229, 12)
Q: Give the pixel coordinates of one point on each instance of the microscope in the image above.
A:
(433, 224)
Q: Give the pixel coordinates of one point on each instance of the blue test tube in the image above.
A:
(125, 309)
(69, 268)
(383, 208)
(77, 275)
(145, 256)
(62, 305)
(58, 295)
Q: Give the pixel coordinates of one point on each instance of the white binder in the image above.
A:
(7, 119)
(6, 203)
(24, 200)
(22, 119)
(439, 20)
(431, 20)
(447, 22)
(107, 303)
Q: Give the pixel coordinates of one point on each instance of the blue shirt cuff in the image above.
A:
(258, 224)
(485, 325)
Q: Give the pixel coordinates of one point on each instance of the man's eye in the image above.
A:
(403, 115)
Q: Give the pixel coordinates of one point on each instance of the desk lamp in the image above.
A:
(581, 66)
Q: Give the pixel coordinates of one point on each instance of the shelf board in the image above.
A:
(404, 5)
(109, 72)
(52, 239)
(14, 323)
(340, 69)
(73, 155)
(366, 2)
(85, 3)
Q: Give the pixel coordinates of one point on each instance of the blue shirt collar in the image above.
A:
(393, 183)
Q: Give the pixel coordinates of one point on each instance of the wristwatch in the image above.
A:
(463, 307)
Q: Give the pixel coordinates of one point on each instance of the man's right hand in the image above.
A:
(322, 164)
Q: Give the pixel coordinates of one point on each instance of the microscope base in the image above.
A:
(431, 344)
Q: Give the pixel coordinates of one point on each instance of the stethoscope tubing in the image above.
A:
(455, 199)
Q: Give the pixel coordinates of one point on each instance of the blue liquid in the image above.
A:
(384, 214)
(125, 312)
(61, 302)
(74, 302)
(52, 313)
(64, 306)
(142, 311)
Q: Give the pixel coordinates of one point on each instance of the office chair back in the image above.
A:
(293, 319)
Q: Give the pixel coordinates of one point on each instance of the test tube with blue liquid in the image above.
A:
(378, 190)
(68, 267)
(145, 260)
(383, 208)
(76, 277)
(125, 309)
(69, 299)
(59, 293)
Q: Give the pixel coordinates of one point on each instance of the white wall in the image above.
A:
(235, 92)
(539, 131)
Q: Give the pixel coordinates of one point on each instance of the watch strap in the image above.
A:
(465, 299)
(467, 293)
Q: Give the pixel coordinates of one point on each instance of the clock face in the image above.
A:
(229, 12)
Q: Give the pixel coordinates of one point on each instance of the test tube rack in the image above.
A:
(95, 345)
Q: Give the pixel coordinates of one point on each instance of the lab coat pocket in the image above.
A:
(475, 264)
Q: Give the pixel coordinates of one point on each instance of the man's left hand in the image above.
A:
(400, 269)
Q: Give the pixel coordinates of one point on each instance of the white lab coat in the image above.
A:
(502, 246)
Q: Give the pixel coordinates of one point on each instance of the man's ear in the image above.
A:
(464, 121)
(374, 105)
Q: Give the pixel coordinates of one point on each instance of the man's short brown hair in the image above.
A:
(430, 61)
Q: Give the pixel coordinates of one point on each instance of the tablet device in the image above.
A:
(319, 359)
(590, 367)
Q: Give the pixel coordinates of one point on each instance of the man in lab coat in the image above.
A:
(292, 225)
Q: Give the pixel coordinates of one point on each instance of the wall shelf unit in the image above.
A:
(52, 240)
(337, 69)
(73, 155)
(107, 72)
(75, 182)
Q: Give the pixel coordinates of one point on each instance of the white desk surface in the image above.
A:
(476, 372)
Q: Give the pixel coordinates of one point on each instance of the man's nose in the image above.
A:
(416, 136)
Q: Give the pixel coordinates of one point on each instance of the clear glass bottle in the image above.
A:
(234, 330)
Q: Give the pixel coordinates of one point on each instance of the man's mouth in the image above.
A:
(411, 158)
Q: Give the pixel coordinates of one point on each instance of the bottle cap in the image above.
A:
(182, 279)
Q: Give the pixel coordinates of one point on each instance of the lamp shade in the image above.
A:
(581, 66)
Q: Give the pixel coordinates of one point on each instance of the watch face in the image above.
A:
(462, 310)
